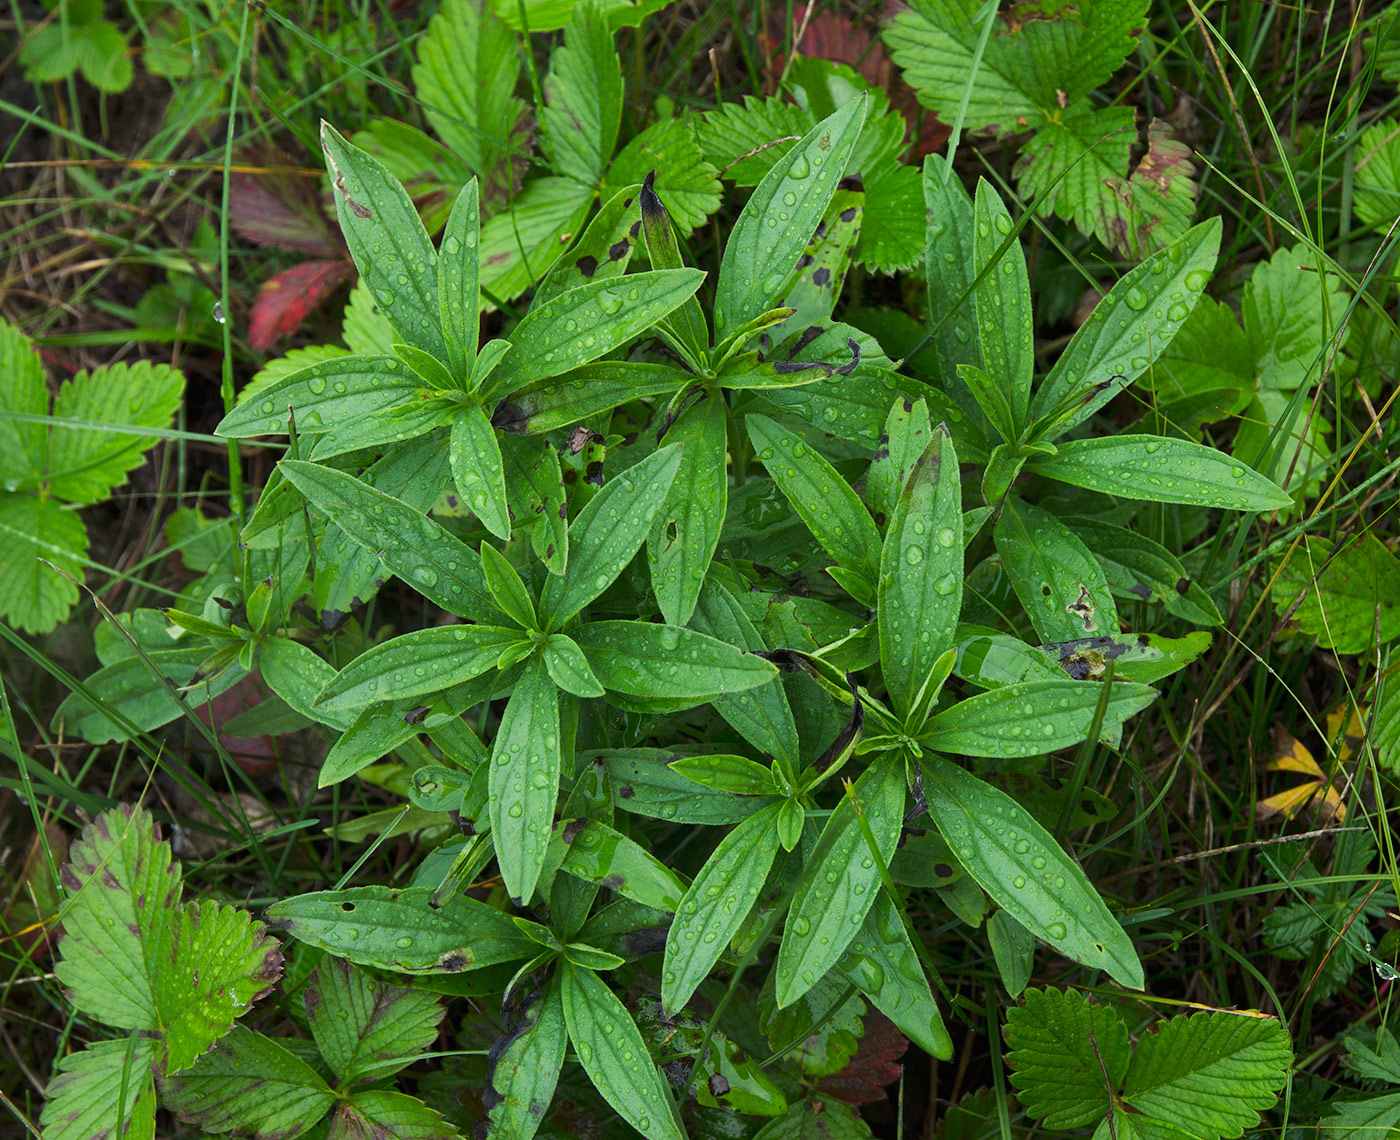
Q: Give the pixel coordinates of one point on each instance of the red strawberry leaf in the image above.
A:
(875, 1065)
(289, 298)
(284, 211)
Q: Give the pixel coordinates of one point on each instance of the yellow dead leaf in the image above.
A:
(1290, 756)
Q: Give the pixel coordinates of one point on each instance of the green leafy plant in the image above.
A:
(48, 468)
(1205, 1075)
(133, 956)
(76, 38)
(1038, 71)
(364, 1032)
(594, 497)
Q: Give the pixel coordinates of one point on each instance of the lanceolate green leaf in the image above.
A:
(949, 270)
(400, 930)
(386, 237)
(607, 533)
(761, 715)
(422, 552)
(615, 1057)
(1060, 584)
(527, 1069)
(581, 392)
(921, 573)
(1137, 567)
(882, 962)
(505, 584)
(602, 855)
(793, 196)
(666, 661)
(584, 323)
(648, 786)
(1031, 717)
(716, 905)
(906, 436)
(326, 395)
(604, 250)
(1130, 327)
(1162, 470)
(478, 470)
(535, 485)
(569, 668)
(1019, 864)
(1003, 303)
(686, 530)
(525, 763)
(687, 322)
(840, 882)
(458, 300)
(425, 661)
(832, 511)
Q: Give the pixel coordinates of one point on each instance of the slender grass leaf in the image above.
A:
(761, 715)
(716, 905)
(599, 854)
(524, 785)
(478, 469)
(921, 573)
(422, 552)
(1162, 470)
(1031, 717)
(569, 667)
(458, 297)
(882, 963)
(832, 511)
(392, 929)
(1019, 864)
(649, 660)
(425, 661)
(1130, 327)
(526, 1070)
(685, 532)
(397, 262)
(535, 487)
(841, 880)
(616, 1059)
(607, 533)
(584, 323)
(781, 216)
(1059, 581)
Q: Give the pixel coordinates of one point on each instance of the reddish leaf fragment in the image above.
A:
(289, 298)
(875, 1065)
(284, 211)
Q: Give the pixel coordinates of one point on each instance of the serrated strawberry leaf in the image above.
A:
(367, 1030)
(1068, 1056)
(134, 958)
(103, 1089)
(249, 1084)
